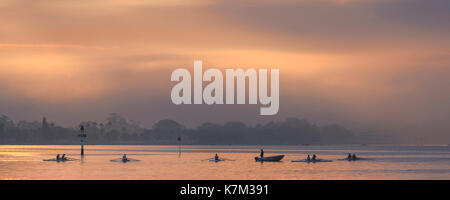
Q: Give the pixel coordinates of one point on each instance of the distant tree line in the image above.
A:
(118, 130)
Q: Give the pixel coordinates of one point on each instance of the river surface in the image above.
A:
(165, 162)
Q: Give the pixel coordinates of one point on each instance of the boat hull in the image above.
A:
(270, 158)
(312, 161)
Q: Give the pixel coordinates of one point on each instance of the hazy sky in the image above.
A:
(379, 65)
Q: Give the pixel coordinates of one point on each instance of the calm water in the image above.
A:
(163, 162)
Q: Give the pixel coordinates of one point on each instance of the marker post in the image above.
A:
(82, 136)
(179, 146)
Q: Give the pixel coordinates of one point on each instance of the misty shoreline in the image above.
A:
(117, 130)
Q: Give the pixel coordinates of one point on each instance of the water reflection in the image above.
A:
(164, 162)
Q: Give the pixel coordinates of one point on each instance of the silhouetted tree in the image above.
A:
(118, 130)
(167, 129)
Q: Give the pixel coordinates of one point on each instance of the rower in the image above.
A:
(308, 158)
(57, 157)
(354, 157)
(314, 157)
(216, 158)
(349, 156)
(124, 157)
(63, 157)
(262, 153)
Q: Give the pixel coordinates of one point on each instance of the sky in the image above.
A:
(376, 66)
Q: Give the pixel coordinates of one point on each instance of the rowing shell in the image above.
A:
(60, 160)
(346, 159)
(312, 161)
(214, 160)
(124, 161)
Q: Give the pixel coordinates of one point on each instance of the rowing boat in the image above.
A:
(217, 160)
(312, 161)
(214, 160)
(124, 161)
(60, 160)
(354, 159)
(269, 159)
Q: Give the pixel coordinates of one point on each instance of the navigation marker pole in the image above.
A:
(179, 146)
(82, 136)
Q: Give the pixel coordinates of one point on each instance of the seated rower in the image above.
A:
(216, 158)
(349, 157)
(57, 157)
(308, 158)
(314, 157)
(124, 158)
(63, 157)
(354, 157)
